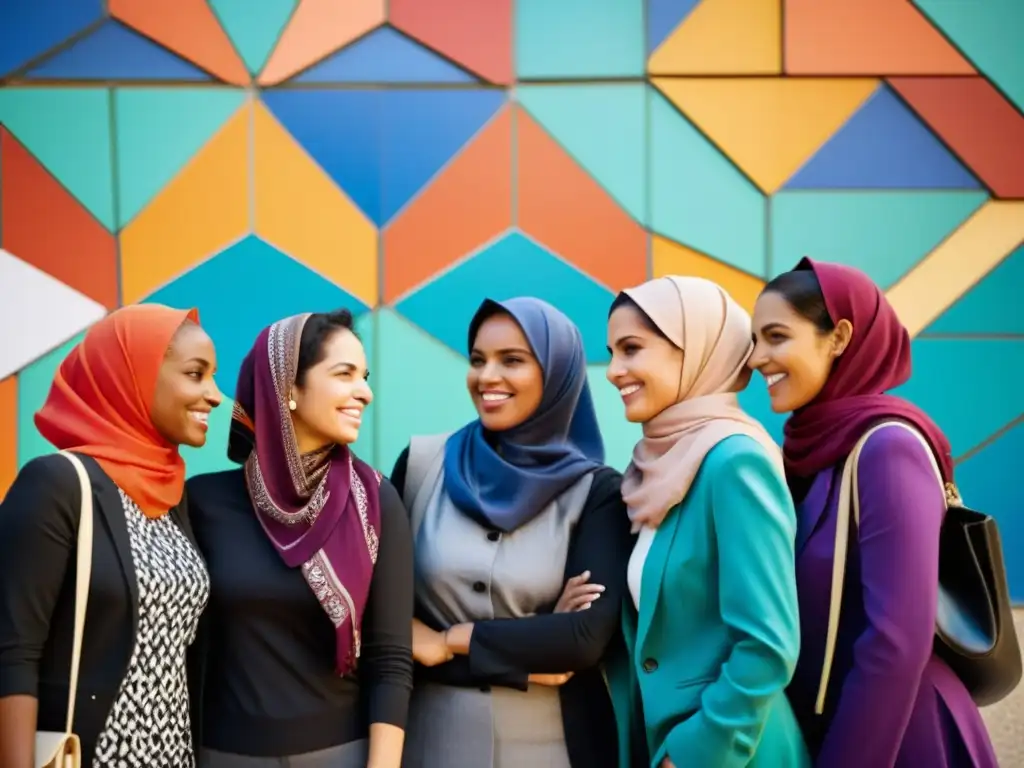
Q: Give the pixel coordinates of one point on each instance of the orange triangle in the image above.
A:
(561, 206)
(467, 204)
(190, 29)
(866, 37)
(301, 211)
(317, 29)
(768, 126)
(8, 433)
(724, 37)
(670, 258)
(42, 223)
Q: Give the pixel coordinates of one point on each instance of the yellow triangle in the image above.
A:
(301, 211)
(768, 126)
(669, 258)
(724, 37)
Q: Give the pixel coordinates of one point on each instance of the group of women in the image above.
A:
(504, 599)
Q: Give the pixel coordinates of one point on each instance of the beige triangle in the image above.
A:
(768, 126)
(724, 37)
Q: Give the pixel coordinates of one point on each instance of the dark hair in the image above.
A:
(623, 300)
(319, 328)
(800, 287)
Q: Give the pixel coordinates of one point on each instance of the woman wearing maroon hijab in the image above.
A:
(830, 346)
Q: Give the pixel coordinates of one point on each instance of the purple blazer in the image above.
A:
(891, 701)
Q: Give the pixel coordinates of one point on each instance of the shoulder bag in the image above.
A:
(56, 749)
(974, 631)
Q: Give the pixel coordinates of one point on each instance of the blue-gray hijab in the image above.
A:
(504, 479)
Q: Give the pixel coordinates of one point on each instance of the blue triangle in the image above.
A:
(991, 306)
(114, 52)
(664, 17)
(29, 28)
(385, 56)
(883, 146)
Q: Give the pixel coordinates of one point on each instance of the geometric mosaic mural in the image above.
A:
(407, 158)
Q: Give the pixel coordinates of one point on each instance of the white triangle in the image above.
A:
(37, 313)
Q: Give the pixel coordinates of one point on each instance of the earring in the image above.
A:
(292, 405)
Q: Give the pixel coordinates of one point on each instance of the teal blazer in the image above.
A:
(717, 637)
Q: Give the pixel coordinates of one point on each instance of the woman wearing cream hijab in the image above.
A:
(712, 630)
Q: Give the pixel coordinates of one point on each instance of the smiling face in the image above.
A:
(645, 366)
(332, 394)
(505, 379)
(793, 353)
(185, 390)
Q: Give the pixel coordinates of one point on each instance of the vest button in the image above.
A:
(479, 586)
(493, 536)
(650, 665)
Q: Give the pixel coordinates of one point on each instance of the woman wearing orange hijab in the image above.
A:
(138, 386)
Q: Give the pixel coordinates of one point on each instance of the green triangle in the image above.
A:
(254, 28)
(158, 132)
(68, 131)
(404, 352)
(884, 233)
(603, 128)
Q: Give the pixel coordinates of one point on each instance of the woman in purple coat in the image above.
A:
(829, 346)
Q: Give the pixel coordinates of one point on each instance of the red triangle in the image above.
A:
(978, 124)
(563, 208)
(474, 33)
(44, 225)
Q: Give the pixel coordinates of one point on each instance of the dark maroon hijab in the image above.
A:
(321, 511)
(823, 432)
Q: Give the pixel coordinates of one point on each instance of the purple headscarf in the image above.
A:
(322, 510)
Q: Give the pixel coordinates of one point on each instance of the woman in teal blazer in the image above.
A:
(711, 629)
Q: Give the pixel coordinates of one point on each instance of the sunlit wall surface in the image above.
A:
(406, 159)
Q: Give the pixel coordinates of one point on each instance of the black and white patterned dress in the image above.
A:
(149, 724)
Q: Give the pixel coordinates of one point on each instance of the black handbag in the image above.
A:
(974, 631)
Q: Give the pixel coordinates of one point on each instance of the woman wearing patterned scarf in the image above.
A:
(306, 646)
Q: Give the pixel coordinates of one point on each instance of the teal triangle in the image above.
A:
(619, 435)
(254, 28)
(158, 131)
(992, 306)
(403, 349)
(883, 233)
(34, 381)
(989, 35)
(698, 197)
(603, 128)
(967, 386)
(68, 130)
(366, 446)
(212, 457)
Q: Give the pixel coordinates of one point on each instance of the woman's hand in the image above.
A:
(666, 763)
(429, 647)
(578, 595)
(552, 680)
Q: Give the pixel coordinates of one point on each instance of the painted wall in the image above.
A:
(260, 159)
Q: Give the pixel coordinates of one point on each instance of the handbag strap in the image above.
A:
(82, 577)
(849, 503)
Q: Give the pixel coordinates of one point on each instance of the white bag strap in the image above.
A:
(82, 577)
(849, 503)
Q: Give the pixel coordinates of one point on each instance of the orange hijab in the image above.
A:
(100, 400)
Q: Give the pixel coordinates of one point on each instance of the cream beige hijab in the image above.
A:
(714, 332)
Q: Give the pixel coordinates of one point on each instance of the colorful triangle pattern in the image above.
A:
(408, 158)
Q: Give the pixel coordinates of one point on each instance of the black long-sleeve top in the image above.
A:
(268, 649)
(506, 651)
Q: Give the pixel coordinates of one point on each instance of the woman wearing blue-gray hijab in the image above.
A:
(517, 525)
